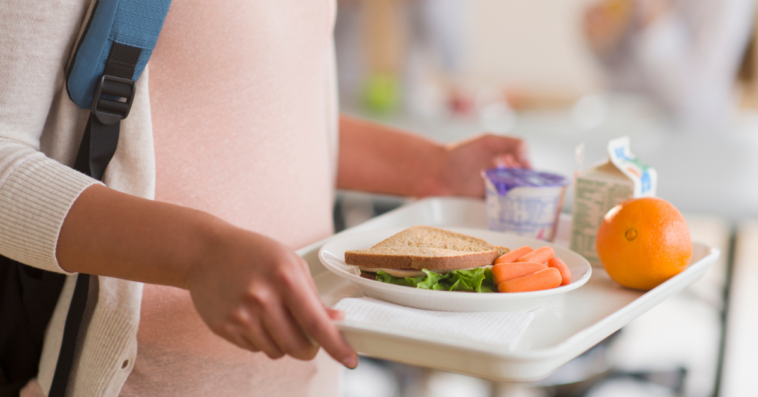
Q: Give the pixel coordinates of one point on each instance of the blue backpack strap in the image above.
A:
(111, 55)
(132, 23)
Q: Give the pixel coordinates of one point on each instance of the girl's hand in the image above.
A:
(464, 161)
(258, 294)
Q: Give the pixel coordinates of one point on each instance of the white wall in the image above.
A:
(529, 44)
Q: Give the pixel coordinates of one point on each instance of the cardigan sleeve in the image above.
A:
(36, 192)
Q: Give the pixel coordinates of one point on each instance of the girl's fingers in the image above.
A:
(234, 334)
(506, 160)
(336, 315)
(244, 343)
(287, 335)
(500, 160)
(509, 151)
(309, 312)
(522, 155)
(306, 268)
(511, 162)
(256, 335)
(310, 278)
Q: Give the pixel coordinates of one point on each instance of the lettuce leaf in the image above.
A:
(430, 280)
(473, 280)
(386, 278)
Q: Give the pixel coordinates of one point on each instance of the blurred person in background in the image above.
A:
(682, 54)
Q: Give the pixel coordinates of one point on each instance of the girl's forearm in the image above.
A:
(249, 289)
(380, 159)
(113, 234)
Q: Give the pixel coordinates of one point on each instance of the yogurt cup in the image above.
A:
(524, 201)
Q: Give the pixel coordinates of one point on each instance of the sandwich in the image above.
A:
(430, 258)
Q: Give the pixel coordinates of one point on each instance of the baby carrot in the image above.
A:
(543, 279)
(540, 255)
(508, 271)
(557, 263)
(513, 255)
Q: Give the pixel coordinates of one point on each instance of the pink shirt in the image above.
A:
(242, 107)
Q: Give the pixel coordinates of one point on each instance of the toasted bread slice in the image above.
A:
(424, 247)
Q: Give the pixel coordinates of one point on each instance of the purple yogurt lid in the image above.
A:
(505, 179)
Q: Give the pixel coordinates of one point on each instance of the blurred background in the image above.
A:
(679, 77)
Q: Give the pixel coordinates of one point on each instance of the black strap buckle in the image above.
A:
(118, 101)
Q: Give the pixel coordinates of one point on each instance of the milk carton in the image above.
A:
(600, 188)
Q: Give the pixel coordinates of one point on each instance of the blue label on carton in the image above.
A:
(644, 178)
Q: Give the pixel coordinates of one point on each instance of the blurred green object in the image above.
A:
(382, 94)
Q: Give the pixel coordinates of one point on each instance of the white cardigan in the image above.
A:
(40, 131)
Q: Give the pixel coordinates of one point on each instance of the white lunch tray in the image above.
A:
(562, 329)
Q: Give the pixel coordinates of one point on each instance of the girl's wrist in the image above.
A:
(436, 181)
(204, 247)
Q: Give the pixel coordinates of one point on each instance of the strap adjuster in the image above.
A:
(113, 99)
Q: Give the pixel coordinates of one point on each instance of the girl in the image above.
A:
(233, 133)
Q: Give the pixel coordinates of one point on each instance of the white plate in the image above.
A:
(332, 256)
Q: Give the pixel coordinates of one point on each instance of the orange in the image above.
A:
(643, 242)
